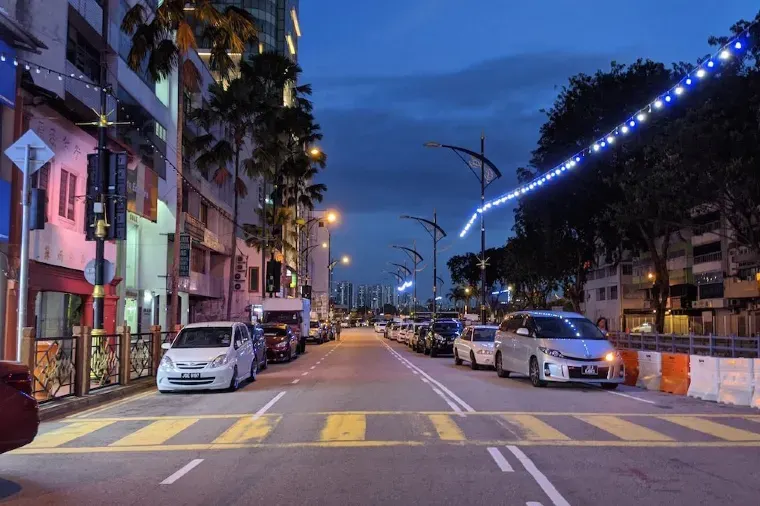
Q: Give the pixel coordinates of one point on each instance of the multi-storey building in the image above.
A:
(362, 296)
(344, 294)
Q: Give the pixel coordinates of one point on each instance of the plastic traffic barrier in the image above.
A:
(736, 381)
(705, 377)
(631, 363)
(675, 373)
(756, 385)
(650, 370)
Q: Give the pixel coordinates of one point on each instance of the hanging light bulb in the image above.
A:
(725, 54)
(711, 64)
(641, 117)
(2, 57)
(701, 73)
(658, 104)
(738, 45)
(624, 129)
(610, 139)
(678, 90)
(688, 81)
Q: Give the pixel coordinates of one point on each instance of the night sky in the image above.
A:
(389, 76)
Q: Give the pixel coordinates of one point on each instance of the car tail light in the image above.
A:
(20, 381)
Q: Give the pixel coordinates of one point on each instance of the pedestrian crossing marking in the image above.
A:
(249, 429)
(715, 429)
(339, 427)
(156, 433)
(533, 428)
(69, 432)
(446, 428)
(624, 429)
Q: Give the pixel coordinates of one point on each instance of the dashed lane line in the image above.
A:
(182, 471)
(543, 482)
(500, 460)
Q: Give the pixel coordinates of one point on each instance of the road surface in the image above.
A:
(366, 421)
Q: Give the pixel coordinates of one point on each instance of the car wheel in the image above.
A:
(234, 382)
(420, 349)
(433, 352)
(266, 362)
(535, 375)
(500, 372)
(426, 351)
(609, 386)
(254, 369)
(473, 364)
(290, 355)
(457, 360)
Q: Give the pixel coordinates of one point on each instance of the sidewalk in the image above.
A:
(69, 405)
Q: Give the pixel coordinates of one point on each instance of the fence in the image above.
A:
(712, 346)
(82, 363)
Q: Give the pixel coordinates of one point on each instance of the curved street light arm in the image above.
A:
(413, 255)
(404, 267)
(459, 150)
(433, 229)
(399, 277)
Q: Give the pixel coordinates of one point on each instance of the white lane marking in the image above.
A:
(533, 503)
(453, 406)
(182, 472)
(304, 373)
(295, 381)
(500, 460)
(313, 367)
(268, 405)
(543, 482)
(425, 380)
(630, 397)
(415, 372)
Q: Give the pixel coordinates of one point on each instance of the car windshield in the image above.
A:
(484, 335)
(275, 332)
(447, 327)
(281, 317)
(566, 328)
(204, 337)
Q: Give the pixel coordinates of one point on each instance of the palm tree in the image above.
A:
(282, 218)
(456, 294)
(161, 40)
(229, 109)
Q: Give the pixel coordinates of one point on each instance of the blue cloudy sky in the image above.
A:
(389, 75)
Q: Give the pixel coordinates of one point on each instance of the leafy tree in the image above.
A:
(161, 41)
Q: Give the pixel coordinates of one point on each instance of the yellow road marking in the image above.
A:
(156, 433)
(533, 428)
(114, 404)
(28, 450)
(68, 432)
(624, 429)
(344, 428)
(446, 428)
(248, 429)
(713, 428)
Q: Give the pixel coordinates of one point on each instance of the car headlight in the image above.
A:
(485, 352)
(220, 361)
(281, 345)
(550, 352)
(612, 356)
(166, 363)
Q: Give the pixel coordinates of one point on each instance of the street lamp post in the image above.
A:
(488, 174)
(416, 258)
(437, 233)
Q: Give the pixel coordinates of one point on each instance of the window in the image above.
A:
(627, 269)
(160, 131)
(613, 292)
(601, 293)
(67, 195)
(198, 261)
(41, 180)
(82, 54)
(253, 279)
(203, 214)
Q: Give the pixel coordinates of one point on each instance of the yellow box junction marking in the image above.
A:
(249, 429)
(65, 434)
(156, 433)
(624, 429)
(713, 428)
(344, 428)
(446, 428)
(533, 428)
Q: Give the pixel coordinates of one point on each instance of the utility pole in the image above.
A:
(435, 264)
(414, 278)
(482, 229)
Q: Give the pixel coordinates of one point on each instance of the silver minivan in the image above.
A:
(556, 346)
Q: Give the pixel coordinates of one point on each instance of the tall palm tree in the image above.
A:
(161, 41)
(229, 109)
(282, 218)
(456, 295)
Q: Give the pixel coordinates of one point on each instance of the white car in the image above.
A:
(205, 356)
(401, 337)
(380, 327)
(556, 346)
(475, 346)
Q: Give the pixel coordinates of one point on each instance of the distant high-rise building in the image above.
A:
(388, 295)
(344, 294)
(375, 297)
(362, 296)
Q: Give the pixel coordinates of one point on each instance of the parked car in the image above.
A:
(403, 331)
(317, 332)
(556, 346)
(205, 356)
(380, 326)
(440, 336)
(331, 326)
(417, 340)
(394, 332)
(256, 332)
(475, 346)
(282, 343)
(21, 419)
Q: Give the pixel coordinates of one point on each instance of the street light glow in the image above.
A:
(315, 151)
(332, 217)
(345, 259)
(324, 245)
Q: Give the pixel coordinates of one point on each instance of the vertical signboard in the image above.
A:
(185, 247)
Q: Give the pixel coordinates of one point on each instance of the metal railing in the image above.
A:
(54, 372)
(104, 361)
(708, 257)
(141, 355)
(712, 346)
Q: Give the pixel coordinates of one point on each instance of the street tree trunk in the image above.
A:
(233, 239)
(174, 316)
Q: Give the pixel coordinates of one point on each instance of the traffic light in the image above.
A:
(38, 217)
(116, 199)
(306, 291)
(92, 195)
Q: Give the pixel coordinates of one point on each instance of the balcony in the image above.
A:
(740, 289)
(708, 262)
(206, 285)
(91, 11)
(706, 233)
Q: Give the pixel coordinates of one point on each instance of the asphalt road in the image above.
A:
(367, 421)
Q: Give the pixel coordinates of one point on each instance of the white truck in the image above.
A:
(294, 312)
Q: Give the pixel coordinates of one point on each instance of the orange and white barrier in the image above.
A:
(736, 381)
(705, 377)
(756, 395)
(631, 363)
(650, 370)
(675, 373)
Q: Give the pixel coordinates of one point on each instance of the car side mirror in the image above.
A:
(522, 331)
(166, 346)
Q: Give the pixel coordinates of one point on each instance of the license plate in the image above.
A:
(590, 370)
(190, 375)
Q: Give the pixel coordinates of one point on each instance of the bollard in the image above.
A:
(125, 358)
(28, 349)
(155, 345)
(82, 362)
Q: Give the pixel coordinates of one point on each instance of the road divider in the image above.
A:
(631, 363)
(705, 377)
(675, 373)
(756, 395)
(650, 370)
(736, 381)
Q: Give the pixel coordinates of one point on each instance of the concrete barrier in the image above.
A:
(736, 381)
(631, 363)
(675, 373)
(650, 370)
(756, 395)
(705, 377)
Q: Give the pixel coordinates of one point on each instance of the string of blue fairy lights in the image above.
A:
(733, 47)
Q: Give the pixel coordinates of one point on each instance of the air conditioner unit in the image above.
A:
(238, 286)
(240, 259)
(240, 267)
(238, 276)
